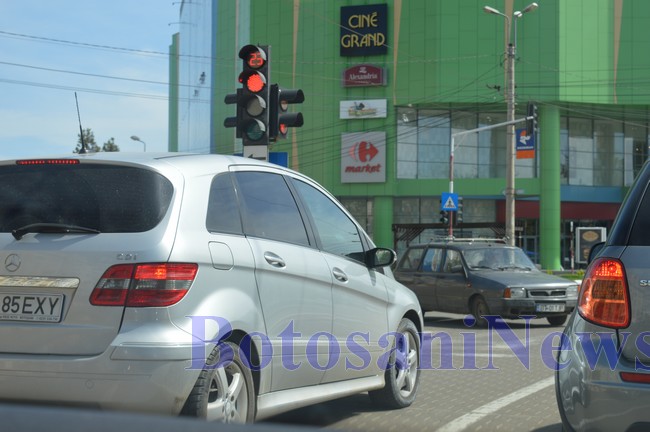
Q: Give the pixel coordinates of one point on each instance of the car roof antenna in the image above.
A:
(81, 131)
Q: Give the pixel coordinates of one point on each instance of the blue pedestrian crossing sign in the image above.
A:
(449, 201)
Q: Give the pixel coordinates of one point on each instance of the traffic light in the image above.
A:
(444, 217)
(280, 120)
(234, 98)
(459, 211)
(253, 99)
(531, 119)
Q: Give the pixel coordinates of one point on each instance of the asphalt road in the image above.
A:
(472, 380)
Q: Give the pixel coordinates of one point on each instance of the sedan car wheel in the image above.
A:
(556, 320)
(224, 394)
(402, 374)
(479, 310)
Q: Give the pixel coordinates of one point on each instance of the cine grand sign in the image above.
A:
(364, 30)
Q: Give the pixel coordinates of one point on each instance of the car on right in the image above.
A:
(602, 372)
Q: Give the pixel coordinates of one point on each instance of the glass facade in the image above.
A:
(594, 152)
(195, 76)
(423, 146)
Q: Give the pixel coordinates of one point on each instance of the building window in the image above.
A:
(636, 151)
(491, 147)
(601, 152)
(581, 143)
(424, 138)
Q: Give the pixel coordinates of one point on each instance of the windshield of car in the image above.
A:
(81, 198)
(501, 258)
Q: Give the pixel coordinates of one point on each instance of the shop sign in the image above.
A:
(363, 76)
(362, 109)
(363, 157)
(525, 145)
(586, 237)
(364, 30)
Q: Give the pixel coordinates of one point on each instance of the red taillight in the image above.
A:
(47, 162)
(144, 285)
(635, 377)
(604, 296)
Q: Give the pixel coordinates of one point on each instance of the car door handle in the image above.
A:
(274, 260)
(339, 274)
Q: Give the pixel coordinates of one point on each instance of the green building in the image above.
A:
(387, 84)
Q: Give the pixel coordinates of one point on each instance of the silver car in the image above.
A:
(201, 285)
(603, 364)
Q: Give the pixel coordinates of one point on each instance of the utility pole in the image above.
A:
(511, 145)
(511, 105)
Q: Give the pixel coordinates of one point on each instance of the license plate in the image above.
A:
(550, 307)
(31, 307)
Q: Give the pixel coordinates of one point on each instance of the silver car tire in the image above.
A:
(223, 394)
(401, 380)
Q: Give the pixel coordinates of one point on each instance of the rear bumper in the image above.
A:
(590, 392)
(154, 379)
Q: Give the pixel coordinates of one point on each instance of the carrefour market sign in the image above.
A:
(363, 157)
(364, 30)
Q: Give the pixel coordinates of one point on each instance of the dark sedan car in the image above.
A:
(484, 278)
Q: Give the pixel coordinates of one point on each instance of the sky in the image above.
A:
(112, 53)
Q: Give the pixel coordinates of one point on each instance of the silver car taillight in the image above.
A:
(144, 285)
(604, 297)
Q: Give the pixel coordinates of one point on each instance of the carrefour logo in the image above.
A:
(363, 151)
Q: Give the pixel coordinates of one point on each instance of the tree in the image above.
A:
(89, 140)
(91, 144)
(110, 146)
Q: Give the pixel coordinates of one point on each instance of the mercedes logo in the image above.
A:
(12, 263)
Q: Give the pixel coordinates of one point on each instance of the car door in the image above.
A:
(451, 286)
(418, 270)
(293, 279)
(359, 294)
(426, 280)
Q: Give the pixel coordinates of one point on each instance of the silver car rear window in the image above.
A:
(108, 198)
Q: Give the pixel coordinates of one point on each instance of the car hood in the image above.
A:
(526, 279)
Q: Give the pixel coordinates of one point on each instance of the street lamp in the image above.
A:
(136, 138)
(510, 100)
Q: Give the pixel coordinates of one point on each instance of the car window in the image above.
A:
(108, 198)
(452, 260)
(411, 260)
(477, 258)
(337, 233)
(432, 260)
(223, 210)
(269, 209)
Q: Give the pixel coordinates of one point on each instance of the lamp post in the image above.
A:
(510, 101)
(136, 138)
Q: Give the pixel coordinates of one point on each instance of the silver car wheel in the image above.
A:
(227, 396)
(402, 375)
(223, 392)
(407, 372)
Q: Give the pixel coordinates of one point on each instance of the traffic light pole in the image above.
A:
(452, 148)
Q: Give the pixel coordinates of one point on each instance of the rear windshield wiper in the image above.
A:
(52, 228)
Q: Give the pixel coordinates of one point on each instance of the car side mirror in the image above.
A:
(380, 257)
(594, 251)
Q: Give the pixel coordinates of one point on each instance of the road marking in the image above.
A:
(463, 422)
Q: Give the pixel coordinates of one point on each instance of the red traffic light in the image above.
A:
(253, 81)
